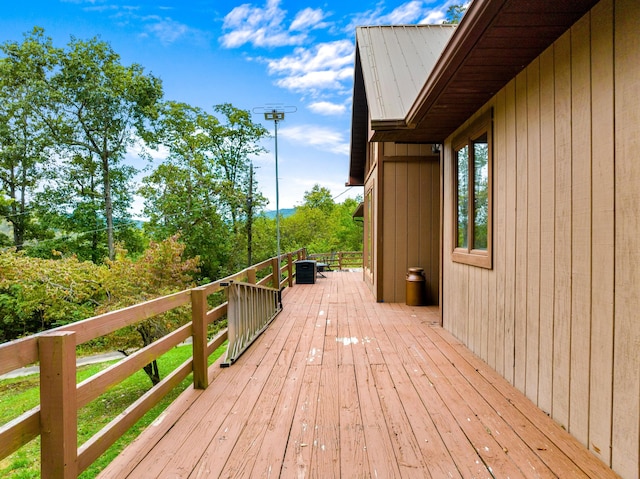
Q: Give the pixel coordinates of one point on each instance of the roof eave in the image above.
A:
(476, 20)
(440, 106)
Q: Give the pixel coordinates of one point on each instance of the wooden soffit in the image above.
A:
(494, 42)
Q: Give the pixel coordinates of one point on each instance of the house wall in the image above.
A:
(557, 315)
(409, 200)
(371, 211)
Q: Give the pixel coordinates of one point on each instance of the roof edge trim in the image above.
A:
(474, 23)
(388, 124)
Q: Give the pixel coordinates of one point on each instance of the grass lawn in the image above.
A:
(18, 395)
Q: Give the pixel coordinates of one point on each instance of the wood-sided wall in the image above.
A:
(559, 313)
(371, 221)
(409, 232)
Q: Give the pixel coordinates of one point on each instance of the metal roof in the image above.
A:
(392, 63)
(395, 61)
(495, 40)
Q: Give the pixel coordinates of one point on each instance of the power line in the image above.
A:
(64, 238)
(338, 196)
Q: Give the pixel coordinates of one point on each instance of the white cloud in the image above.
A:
(438, 14)
(166, 29)
(318, 137)
(412, 12)
(313, 82)
(323, 67)
(261, 26)
(330, 55)
(434, 16)
(406, 13)
(309, 18)
(327, 108)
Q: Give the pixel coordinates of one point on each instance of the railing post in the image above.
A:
(275, 267)
(290, 269)
(199, 330)
(251, 276)
(58, 405)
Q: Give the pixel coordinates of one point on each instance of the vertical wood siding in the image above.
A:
(410, 202)
(371, 219)
(558, 315)
(626, 378)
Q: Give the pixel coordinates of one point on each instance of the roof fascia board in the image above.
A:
(480, 15)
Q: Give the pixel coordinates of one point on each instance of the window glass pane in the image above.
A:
(463, 196)
(480, 192)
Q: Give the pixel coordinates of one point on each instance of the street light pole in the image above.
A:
(276, 114)
(275, 122)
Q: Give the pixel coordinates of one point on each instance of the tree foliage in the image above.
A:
(68, 116)
(455, 13)
(202, 188)
(24, 140)
(99, 108)
(38, 294)
(319, 224)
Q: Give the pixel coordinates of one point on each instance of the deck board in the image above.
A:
(342, 386)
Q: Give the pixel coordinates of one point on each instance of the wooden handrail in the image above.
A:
(55, 419)
(340, 260)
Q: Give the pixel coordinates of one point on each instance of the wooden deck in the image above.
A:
(341, 386)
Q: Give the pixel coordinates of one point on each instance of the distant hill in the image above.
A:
(283, 213)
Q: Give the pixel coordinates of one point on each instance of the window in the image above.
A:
(472, 162)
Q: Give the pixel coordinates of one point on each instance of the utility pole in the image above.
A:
(250, 218)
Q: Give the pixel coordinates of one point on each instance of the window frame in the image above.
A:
(468, 255)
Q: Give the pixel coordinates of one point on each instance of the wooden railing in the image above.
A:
(340, 260)
(55, 419)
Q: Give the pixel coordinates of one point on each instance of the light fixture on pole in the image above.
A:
(276, 114)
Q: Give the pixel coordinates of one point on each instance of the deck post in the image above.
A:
(275, 266)
(251, 276)
(199, 331)
(290, 269)
(58, 405)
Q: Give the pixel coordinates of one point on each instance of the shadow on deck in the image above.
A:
(342, 386)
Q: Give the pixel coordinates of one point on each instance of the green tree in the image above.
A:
(238, 141)
(347, 234)
(24, 142)
(319, 198)
(99, 110)
(37, 294)
(73, 202)
(321, 225)
(455, 13)
(204, 189)
(182, 195)
(161, 270)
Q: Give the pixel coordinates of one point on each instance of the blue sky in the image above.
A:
(295, 53)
